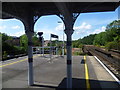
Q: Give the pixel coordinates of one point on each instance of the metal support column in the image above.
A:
(69, 20)
(57, 46)
(69, 57)
(50, 48)
(30, 58)
(63, 43)
(43, 46)
(29, 22)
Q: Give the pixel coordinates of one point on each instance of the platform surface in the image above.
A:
(51, 74)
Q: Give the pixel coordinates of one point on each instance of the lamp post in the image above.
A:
(63, 40)
(42, 41)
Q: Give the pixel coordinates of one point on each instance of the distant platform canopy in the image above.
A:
(21, 9)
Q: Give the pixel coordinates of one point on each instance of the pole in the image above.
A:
(50, 48)
(69, 62)
(43, 46)
(30, 58)
(56, 47)
(69, 31)
(63, 39)
(63, 42)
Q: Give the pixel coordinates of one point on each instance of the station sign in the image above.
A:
(40, 33)
(54, 36)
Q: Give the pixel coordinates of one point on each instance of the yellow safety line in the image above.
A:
(87, 75)
(15, 62)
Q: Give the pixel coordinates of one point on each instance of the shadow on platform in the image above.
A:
(82, 61)
(78, 84)
(81, 84)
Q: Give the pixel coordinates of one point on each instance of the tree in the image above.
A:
(24, 41)
(88, 40)
(5, 37)
(100, 39)
(35, 40)
(112, 33)
(114, 24)
(5, 46)
(113, 30)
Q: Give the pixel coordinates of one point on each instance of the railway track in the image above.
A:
(110, 58)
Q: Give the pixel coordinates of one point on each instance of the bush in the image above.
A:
(4, 55)
(113, 45)
(19, 50)
(76, 53)
(80, 46)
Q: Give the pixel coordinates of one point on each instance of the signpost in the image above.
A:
(51, 48)
(42, 41)
(63, 40)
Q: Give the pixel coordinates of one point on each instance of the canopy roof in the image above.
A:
(21, 9)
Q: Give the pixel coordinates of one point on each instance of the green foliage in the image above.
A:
(114, 24)
(100, 39)
(0, 46)
(75, 44)
(88, 40)
(78, 53)
(24, 41)
(80, 46)
(60, 52)
(5, 54)
(6, 37)
(110, 38)
(35, 40)
(18, 50)
(112, 33)
(113, 30)
(8, 48)
(113, 45)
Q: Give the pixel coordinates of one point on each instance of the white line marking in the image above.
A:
(108, 70)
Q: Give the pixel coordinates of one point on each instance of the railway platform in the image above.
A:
(87, 72)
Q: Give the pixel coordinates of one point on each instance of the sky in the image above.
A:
(86, 24)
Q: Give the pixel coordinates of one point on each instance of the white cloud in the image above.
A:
(2, 29)
(96, 31)
(78, 29)
(59, 27)
(17, 33)
(1, 20)
(83, 26)
(58, 30)
(16, 27)
(83, 33)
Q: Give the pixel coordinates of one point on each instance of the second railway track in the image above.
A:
(110, 59)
